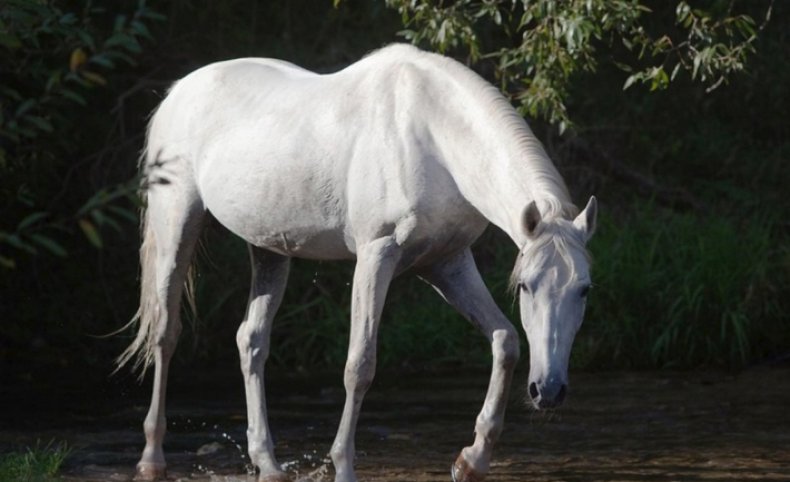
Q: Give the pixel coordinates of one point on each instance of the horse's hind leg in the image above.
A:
(459, 282)
(173, 225)
(269, 276)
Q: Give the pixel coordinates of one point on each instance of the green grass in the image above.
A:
(37, 463)
(686, 290)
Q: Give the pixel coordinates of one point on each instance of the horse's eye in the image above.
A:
(523, 287)
(584, 291)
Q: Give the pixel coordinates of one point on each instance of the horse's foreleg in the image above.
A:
(176, 232)
(269, 276)
(376, 262)
(459, 282)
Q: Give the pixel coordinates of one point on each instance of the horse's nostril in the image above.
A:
(561, 394)
(533, 390)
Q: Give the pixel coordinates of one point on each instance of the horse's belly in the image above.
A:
(303, 243)
(268, 209)
(289, 238)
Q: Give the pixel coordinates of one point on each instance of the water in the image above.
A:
(614, 426)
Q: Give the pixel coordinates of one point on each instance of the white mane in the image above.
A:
(548, 188)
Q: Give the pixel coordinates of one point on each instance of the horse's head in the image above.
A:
(552, 276)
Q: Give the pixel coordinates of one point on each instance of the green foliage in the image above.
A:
(53, 60)
(38, 463)
(537, 47)
(679, 290)
(673, 287)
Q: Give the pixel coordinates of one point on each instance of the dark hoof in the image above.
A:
(463, 472)
(150, 471)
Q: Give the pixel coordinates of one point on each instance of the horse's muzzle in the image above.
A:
(547, 395)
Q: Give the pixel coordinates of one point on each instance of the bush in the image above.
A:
(678, 289)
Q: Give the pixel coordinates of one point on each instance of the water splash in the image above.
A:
(248, 466)
(312, 467)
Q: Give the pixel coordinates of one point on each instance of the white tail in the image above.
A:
(149, 313)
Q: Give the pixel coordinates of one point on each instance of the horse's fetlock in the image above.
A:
(154, 427)
(338, 456)
(488, 429)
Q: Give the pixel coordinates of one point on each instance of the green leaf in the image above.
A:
(68, 19)
(697, 60)
(31, 219)
(9, 41)
(124, 40)
(622, 66)
(140, 28)
(73, 96)
(682, 11)
(102, 60)
(120, 21)
(102, 219)
(94, 77)
(123, 212)
(24, 107)
(18, 243)
(631, 79)
(50, 245)
(86, 39)
(659, 78)
(91, 233)
(40, 122)
(7, 262)
(148, 13)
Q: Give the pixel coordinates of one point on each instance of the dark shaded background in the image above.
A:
(692, 266)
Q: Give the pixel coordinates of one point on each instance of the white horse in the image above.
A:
(399, 161)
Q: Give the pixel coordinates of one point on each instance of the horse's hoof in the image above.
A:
(463, 472)
(275, 477)
(150, 471)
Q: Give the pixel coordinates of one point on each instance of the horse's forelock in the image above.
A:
(561, 234)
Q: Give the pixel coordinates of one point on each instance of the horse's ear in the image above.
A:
(531, 219)
(587, 219)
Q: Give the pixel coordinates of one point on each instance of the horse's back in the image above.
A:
(308, 164)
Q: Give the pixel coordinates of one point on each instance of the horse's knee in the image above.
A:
(359, 373)
(253, 348)
(505, 347)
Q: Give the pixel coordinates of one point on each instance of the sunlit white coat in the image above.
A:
(399, 161)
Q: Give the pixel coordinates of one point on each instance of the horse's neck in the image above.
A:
(499, 165)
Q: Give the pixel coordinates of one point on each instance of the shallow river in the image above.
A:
(663, 426)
